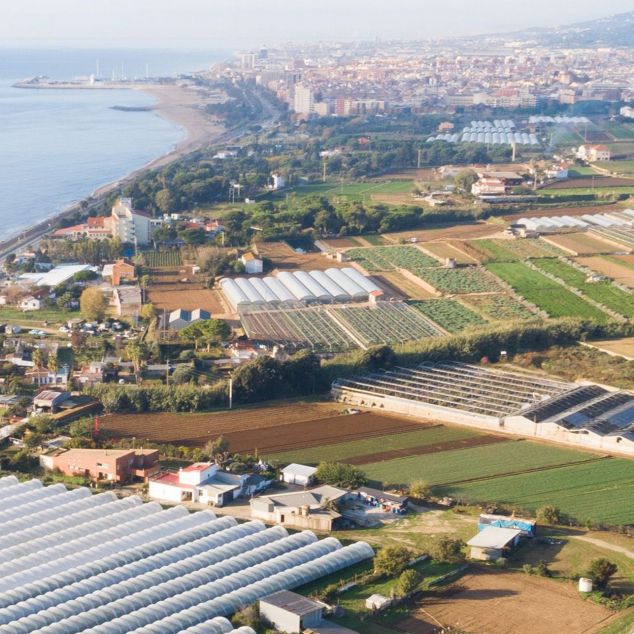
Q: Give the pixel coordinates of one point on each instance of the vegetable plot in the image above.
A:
(448, 313)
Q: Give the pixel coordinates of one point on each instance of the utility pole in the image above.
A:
(420, 152)
(325, 169)
(230, 393)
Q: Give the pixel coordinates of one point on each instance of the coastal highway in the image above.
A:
(269, 114)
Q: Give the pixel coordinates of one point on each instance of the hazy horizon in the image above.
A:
(216, 24)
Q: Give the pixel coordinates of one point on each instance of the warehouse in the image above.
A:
(582, 415)
(71, 562)
(298, 289)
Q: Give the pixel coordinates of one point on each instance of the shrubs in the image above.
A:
(341, 475)
(549, 514)
(390, 560)
(407, 582)
(447, 550)
(601, 571)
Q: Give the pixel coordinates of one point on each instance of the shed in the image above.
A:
(377, 602)
(298, 474)
(491, 543)
(289, 612)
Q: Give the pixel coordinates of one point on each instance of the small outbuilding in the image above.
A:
(289, 612)
(377, 602)
(492, 543)
(298, 474)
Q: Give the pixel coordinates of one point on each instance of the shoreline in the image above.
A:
(174, 103)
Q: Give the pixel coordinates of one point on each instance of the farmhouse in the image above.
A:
(101, 551)
(305, 509)
(586, 416)
(115, 465)
(593, 153)
(492, 543)
(204, 483)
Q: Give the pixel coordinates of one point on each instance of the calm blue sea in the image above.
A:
(57, 146)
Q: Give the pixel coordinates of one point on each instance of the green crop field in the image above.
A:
(461, 280)
(449, 314)
(356, 192)
(463, 464)
(603, 292)
(543, 292)
(601, 491)
(499, 307)
(620, 167)
(346, 450)
(375, 259)
(515, 250)
(156, 259)
(620, 131)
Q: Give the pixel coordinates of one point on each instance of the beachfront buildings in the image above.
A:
(125, 223)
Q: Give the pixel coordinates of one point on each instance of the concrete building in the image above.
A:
(252, 264)
(115, 465)
(127, 301)
(204, 483)
(492, 543)
(298, 474)
(130, 225)
(593, 153)
(289, 612)
(304, 509)
(303, 103)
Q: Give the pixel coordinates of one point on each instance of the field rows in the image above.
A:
(499, 307)
(375, 259)
(155, 259)
(449, 314)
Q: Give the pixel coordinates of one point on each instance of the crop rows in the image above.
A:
(155, 259)
(461, 280)
(515, 250)
(622, 236)
(389, 258)
(603, 292)
(385, 323)
(543, 292)
(499, 307)
(449, 314)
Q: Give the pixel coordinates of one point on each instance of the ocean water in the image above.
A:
(58, 146)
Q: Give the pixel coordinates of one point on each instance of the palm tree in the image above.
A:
(36, 357)
(53, 365)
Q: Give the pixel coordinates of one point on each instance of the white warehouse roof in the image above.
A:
(106, 565)
(494, 537)
(56, 276)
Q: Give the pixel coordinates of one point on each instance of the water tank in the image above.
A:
(585, 584)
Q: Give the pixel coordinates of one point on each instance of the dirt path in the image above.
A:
(606, 545)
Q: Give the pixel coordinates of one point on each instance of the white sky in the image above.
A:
(227, 23)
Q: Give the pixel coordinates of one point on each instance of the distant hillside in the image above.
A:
(615, 30)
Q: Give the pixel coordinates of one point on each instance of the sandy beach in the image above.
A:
(180, 105)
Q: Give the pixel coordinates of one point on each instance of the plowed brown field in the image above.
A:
(270, 429)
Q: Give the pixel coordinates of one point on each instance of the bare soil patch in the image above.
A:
(267, 429)
(341, 243)
(611, 269)
(497, 602)
(395, 284)
(465, 443)
(622, 347)
(284, 257)
(459, 232)
(449, 250)
(582, 244)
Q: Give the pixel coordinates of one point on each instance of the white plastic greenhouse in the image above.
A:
(99, 564)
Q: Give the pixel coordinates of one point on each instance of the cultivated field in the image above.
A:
(617, 267)
(496, 602)
(173, 288)
(445, 250)
(395, 284)
(449, 314)
(155, 259)
(454, 231)
(583, 244)
(461, 280)
(543, 292)
(489, 250)
(268, 430)
(499, 307)
(376, 259)
(284, 257)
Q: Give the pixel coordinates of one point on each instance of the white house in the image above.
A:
(252, 265)
(298, 474)
(30, 303)
(593, 153)
(204, 483)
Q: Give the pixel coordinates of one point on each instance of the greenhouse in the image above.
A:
(96, 563)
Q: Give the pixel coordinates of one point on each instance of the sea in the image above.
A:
(58, 146)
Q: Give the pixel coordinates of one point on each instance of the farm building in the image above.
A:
(493, 542)
(298, 288)
(389, 502)
(528, 527)
(179, 319)
(505, 402)
(298, 474)
(71, 561)
(289, 612)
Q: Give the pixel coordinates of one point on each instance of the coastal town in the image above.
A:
(356, 356)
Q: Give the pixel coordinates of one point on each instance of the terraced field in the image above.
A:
(603, 292)
(499, 307)
(449, 314)
(543, 292)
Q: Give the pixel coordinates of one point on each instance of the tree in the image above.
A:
(340, 474)
(135, 353)
(377, 357)
(217, 449)
(36, 357)
(549, 514)
(601, 571)
(42, 424)
(419, 489)
(92, 304)
(258, 380)
(53, 364)
(206, 332)
(407, 582)
(464, 180)
(182, 374)
(391, 559)
(447, 550)
(148, 312)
